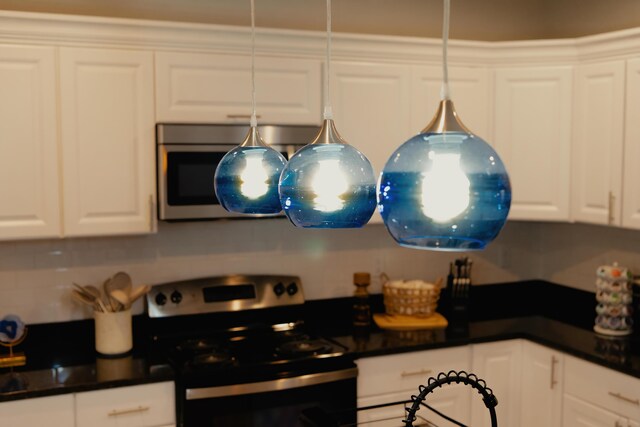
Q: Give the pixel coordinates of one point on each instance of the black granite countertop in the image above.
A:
(61, 356)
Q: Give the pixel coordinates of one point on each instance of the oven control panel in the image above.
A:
(223, 293)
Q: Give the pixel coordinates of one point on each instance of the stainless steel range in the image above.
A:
(242, 353)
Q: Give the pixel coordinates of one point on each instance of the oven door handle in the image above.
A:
(274, 385)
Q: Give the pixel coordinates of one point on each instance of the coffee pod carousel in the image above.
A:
(614, 296)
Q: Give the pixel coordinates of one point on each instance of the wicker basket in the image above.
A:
(411, 297)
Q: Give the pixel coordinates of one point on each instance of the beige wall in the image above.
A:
(471, 19)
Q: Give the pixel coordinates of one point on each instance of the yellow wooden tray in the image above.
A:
(399, 322)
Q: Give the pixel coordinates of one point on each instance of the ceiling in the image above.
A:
(470, 19)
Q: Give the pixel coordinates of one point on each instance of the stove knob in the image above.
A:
(176, 297)
(278, 289)
(161, 299)
(292, 289)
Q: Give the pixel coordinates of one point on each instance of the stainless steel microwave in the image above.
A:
(187, 157)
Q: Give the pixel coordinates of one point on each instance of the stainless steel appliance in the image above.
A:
(242, 353)
(187, 157)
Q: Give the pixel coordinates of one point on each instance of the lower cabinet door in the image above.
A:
(578, 413)
(452, 401)
(499, 364)
(54, 411)
(147, 405)
(541, 400)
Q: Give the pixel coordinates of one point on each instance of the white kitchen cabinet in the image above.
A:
(532, 134)
(372, 109)
(578, 413)
(108, 141)
(608, 389)
(206, 88)
(452, 400)
(470, 92)
(394, 378)
(541, 398)
(598, 137)
(29, 180)
(148, 405)
(499, 364)
(631, 191)
(53, 411)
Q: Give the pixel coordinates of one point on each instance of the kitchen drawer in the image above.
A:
(604, 387)
(451, 400)
(54, 411)
(406, 371)
(149, 405)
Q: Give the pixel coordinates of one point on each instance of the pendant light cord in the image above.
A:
(328, 112)
(445, 93)
(254, 118)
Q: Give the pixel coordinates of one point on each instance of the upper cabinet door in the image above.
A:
(631, 195)
(470, 92)
(206, 88)
(108, 141)
(597, 143)
(29, 181)
(532, 128)
(371, 106)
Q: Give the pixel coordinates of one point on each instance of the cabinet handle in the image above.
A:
(626, 399)
(612, 199)
(241, 116)
(554, 361)
(420, 372)
(152, 211)
(116, 413)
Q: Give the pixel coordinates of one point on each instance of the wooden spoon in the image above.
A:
(138, 292)
(122, 298)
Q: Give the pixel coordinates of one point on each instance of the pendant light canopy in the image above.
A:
(328, 183)
(445, 188)
(246, 179)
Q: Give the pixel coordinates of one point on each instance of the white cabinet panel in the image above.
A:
(451, 400)
(541, 400)
(205, 88)
(577, 413)
(29, 183)
(108, 141)
(147, 405)
(598, 133)
(631, 195)
(405, 372)
(372, 109)
(54, 411)
(532, 126)
(470, 92)
(499, 364)
(609, 389)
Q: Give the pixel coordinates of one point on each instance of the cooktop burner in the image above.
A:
(304, 348)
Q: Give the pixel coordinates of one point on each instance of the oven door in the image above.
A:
(185, 181)
(269, 403)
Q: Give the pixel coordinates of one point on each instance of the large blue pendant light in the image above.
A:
(246, 179)
(445, 188)
(328, 183)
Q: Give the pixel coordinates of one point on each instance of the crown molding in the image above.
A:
(89, 31)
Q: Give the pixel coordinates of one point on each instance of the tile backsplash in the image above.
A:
(36, 276)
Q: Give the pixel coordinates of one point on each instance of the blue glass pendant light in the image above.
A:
(246, 179)
(445, 188)
(328, 183)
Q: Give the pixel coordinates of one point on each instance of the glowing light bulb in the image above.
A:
(445, 188)
(254, 179)
(329, 184)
